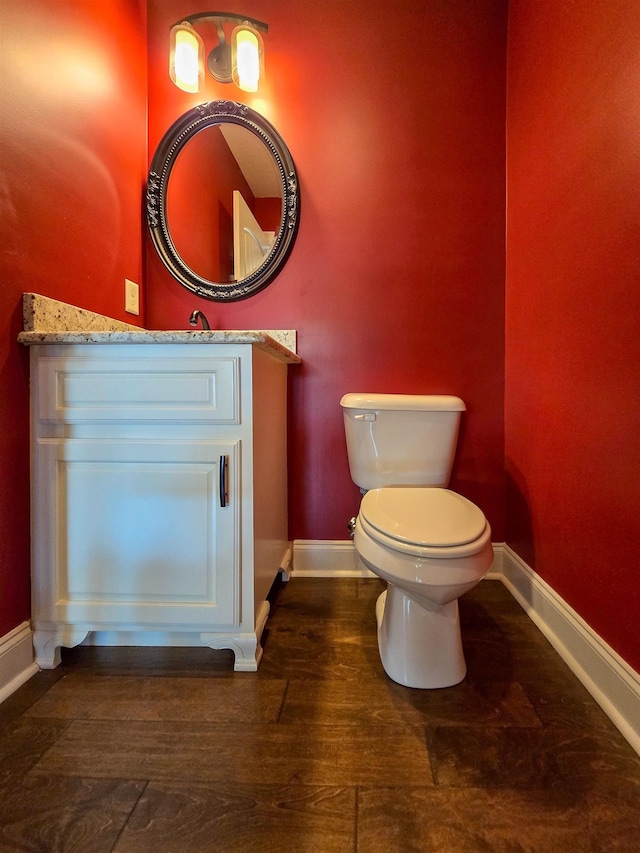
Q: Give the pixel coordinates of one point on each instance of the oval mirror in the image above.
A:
(222, 201)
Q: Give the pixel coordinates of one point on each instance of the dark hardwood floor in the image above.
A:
(170, 751)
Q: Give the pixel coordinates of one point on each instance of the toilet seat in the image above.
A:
(424, 522)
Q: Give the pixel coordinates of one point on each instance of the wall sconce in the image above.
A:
(240, 62)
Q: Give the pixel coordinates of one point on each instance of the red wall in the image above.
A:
(573, 301)
(396, 281)
(268, 212)
(72, 169)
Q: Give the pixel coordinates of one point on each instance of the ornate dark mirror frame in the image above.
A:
(172, 143)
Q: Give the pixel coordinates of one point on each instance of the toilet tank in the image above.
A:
(401, 439)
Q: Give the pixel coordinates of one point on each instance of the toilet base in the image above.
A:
(419, 647)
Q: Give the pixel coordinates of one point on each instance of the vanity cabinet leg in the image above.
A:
(246, 647)
(47, 644)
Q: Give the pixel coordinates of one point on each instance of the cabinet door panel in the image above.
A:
(141, 537)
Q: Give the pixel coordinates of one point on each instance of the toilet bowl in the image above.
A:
(430, 545)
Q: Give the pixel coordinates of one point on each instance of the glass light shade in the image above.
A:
(247, 58)
(186, 58)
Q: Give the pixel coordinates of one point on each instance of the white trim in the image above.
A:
(609, 679)
(337, 558)
(327, 558)
(496, 571)
(16, 660)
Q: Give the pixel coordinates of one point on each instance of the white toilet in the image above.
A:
(428, 543)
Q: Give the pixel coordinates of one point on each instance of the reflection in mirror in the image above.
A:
(222, 201)
(251, 243)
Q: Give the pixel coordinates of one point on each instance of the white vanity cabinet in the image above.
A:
(159, 491)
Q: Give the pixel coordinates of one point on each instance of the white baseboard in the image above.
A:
(337, 558)
(16, 660)
(609, 679)
(327, 558)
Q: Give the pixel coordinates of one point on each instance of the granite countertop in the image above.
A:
(47, 321)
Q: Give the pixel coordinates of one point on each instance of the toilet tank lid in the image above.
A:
(404, 402)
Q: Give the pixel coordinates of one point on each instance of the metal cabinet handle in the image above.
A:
(224, 481)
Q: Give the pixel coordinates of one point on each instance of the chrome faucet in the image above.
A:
(193, 320)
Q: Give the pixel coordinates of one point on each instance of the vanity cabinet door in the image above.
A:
(136, 533)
